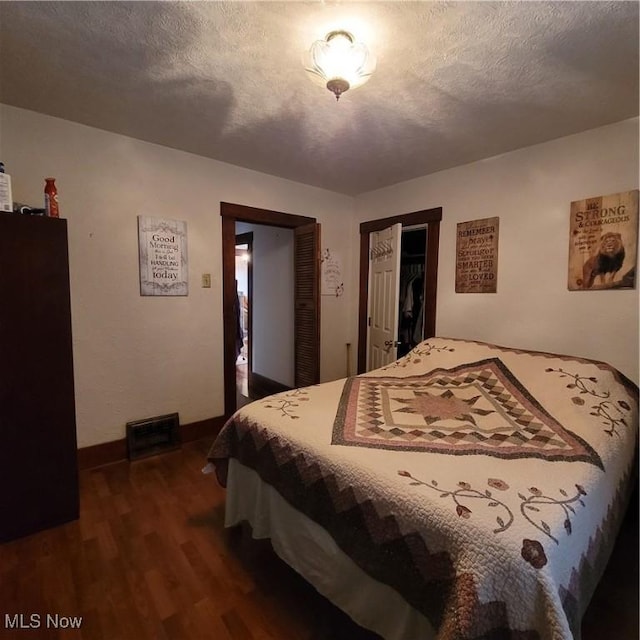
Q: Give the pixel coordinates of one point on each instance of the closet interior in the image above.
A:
(413, 253)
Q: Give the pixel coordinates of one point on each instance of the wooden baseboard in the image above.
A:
(260, 386)
(208, 428)
(116, 450)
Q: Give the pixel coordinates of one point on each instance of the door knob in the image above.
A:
(391, 343)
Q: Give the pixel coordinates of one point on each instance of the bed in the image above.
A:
(465, 491)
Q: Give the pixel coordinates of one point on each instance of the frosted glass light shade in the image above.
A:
(339, 62)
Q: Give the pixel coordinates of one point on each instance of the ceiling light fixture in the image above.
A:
(339, 63)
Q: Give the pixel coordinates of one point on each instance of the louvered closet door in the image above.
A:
(307, 305)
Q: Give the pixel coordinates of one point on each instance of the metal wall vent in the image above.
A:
(153, 435)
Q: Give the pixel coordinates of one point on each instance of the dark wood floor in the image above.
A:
(149, 558)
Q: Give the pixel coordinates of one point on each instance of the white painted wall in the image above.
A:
(530, 190)
(273, 308)
(136, 356)
(141, 356)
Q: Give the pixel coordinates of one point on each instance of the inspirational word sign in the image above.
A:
(603, 242)
(163, 257)
(477, 256)
(332, 283)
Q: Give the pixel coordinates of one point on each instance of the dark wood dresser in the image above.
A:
(38, 451)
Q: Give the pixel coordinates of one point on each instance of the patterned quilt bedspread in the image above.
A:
(485, 484)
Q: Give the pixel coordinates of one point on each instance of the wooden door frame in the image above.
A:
(429, 217)
(232, 213)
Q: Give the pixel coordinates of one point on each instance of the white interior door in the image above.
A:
(384, 294)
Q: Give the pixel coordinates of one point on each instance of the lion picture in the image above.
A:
(603, 242)
(605, 264)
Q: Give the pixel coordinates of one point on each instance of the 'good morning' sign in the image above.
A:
(163, 257)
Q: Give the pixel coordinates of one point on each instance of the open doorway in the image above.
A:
(265, 310)
(244, 316)
(306, 294)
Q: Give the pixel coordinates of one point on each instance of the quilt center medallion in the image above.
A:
(476, 408)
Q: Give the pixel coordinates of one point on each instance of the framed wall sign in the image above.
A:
(163, 257)
(332, 283)
(477, 256)
(603, 242)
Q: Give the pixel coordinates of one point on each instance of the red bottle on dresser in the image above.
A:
(51, 198)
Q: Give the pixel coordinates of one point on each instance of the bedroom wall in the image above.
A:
(273, 310)
(136, 356)
(140, 356)
(530, 190)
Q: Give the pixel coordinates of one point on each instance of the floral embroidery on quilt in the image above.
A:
(532, 507)
(614, 415)
(287, 402)
(474, 408)
(535, 503)
(583, 384)
(416, 354)
(464, 495)
(533, 553)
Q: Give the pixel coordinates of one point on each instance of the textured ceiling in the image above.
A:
(456, 81)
